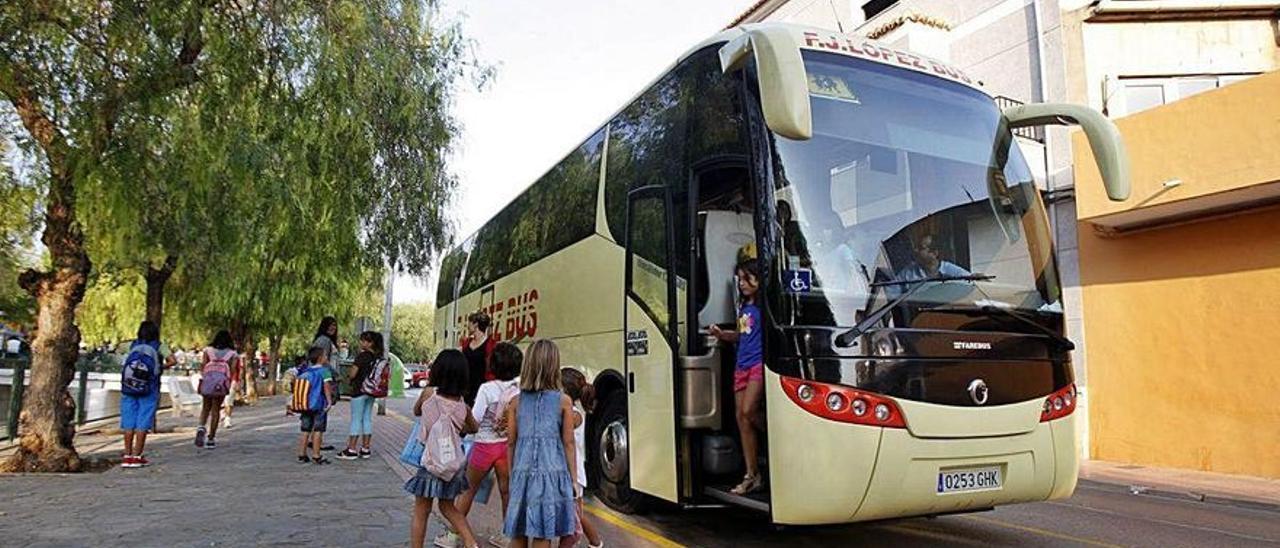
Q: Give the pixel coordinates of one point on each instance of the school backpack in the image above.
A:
(308, 390)
(141, 367)
(378, 382)
(215, 376)
(442, 455)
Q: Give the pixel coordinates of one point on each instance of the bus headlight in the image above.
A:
(835, 402)
(859, 407)
(805, 392)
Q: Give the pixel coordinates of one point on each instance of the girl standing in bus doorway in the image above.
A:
(748, 375)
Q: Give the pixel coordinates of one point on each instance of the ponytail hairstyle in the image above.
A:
(576, 386)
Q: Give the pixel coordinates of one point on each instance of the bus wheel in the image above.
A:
(614, 456)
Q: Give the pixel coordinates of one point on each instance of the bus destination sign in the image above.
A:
(868, 49)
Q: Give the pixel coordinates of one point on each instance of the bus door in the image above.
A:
(649, 338)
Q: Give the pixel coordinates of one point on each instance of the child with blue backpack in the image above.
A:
(140, 391)
(311, 400)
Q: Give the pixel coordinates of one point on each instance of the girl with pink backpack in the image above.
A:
(442, 474)
(217, 363)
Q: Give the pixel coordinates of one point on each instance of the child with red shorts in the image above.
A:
(489, 451)
(748, 375)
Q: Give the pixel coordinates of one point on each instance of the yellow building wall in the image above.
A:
(1183, 321)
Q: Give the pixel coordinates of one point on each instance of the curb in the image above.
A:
(1183, 495)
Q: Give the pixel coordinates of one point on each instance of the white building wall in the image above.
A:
(1119, 50)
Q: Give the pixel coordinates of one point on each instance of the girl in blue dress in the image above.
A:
(541, 451)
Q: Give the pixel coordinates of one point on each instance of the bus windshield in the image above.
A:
(911, 194)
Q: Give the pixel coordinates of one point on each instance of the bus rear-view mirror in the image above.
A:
(784, 88)
(1104, 138)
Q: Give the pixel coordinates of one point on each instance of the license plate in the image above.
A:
(969, 479)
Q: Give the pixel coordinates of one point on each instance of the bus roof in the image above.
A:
(806, 37)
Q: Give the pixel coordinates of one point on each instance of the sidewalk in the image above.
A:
(248, 491)
(1203, 486)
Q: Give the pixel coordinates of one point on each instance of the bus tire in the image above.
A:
(609, 447)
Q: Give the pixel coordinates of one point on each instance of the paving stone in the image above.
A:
(249, 491)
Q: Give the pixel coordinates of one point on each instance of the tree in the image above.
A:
(74, 72)
(411, 331)
(326, 126)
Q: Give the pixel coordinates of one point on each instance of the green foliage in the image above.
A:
(411, 331)
(111, 310)
(17, 226)
(305, 149)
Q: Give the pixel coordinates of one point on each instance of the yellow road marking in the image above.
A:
(632, 528)
(1044, 532)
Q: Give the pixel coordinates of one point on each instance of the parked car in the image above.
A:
(417, 377)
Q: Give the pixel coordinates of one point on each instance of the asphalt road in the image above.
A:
(1097, 515)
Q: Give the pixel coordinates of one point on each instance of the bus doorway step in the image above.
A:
(758, 501)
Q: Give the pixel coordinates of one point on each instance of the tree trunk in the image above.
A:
(273, 349)
(47, 421)
(250, 372)
(156, 279)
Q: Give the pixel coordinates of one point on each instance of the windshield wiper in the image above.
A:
(845, 340)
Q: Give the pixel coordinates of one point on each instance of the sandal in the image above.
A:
(319, 460)
(750, 484)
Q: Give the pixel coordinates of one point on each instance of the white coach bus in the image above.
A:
(914, 348)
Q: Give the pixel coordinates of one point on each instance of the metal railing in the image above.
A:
(91, 388)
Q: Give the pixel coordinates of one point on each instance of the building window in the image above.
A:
(1132, 95)
(875, 7)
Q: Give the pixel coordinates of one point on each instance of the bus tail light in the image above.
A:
(844, 404)
(1059, 404)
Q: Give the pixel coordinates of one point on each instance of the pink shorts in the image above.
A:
(485, 455)
(743, 376)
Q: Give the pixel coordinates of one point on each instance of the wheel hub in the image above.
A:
(614, 457)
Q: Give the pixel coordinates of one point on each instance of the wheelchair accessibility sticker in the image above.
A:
(798, 281)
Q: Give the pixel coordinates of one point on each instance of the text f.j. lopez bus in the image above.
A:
(914, 345)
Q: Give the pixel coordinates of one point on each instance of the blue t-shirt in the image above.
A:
(750, 337)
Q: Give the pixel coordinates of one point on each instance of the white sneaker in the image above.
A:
(447, 540)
